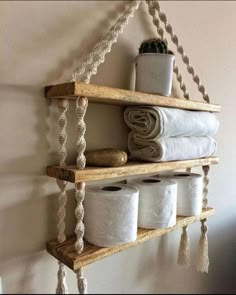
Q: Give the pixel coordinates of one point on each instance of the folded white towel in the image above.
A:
(170, 149)
(151, 122)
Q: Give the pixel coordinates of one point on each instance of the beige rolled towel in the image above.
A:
(151, 122)
(170, 149)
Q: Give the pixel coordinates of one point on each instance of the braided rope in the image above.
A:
(205, 185)
(160, 31)
(97, 55)
(180, 49)
(62, 197)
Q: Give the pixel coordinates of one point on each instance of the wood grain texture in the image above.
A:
(66, 253)
(102, 94)
(71, 174)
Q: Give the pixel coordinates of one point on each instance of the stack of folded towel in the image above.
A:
(167, 134)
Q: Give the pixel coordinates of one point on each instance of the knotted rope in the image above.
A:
(62, 197)
(160, 31)
(84, 73)
(185, 58)
(97, 56)
(202, 261)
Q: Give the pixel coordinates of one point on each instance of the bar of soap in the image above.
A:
(106, 158)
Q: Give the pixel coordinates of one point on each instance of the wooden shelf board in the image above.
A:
(65, 252)
(102, 94)
(71, 174)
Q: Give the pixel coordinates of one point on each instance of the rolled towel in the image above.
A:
(171, 149)
(151, 122)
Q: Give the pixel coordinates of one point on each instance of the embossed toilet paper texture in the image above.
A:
(157, 202)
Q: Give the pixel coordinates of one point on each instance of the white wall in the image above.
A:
(41, 43)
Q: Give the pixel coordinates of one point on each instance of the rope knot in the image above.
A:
(204, 226)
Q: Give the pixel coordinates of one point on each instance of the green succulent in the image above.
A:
(154, 45)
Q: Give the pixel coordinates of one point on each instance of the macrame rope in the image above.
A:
(180, 49)
(61, 277)
(79, 231)
(110, 39)
(97, 55)
(81, 282)
(63, 106)
(61, 214)
(62, 197)
(202, 261)
(205, 186)
(87, 69)
(79, 213)
(184, 245)
(81, 107)
(160, 31)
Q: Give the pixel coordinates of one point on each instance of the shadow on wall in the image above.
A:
(23, 225)
(30, 231)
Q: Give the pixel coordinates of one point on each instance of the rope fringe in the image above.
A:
(184, 248)
(202, 263)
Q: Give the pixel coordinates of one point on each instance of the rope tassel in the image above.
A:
(202, 263)
(184, 248)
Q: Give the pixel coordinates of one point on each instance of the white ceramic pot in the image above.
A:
(154, 72)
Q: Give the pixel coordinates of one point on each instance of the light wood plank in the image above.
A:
(71, 174)
(65, 252)
(102, 94)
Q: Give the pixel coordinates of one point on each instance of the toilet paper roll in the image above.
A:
(157, 202)
(189, 192)
(111, 214)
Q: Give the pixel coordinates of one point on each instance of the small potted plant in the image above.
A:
(154, 67)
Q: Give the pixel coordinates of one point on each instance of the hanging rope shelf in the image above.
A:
(75, 252)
